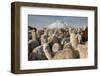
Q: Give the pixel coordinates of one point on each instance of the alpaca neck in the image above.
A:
(74, 41)
(47, 51)
(33, 35)
(48, 54)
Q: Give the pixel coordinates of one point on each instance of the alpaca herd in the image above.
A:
(57, 43)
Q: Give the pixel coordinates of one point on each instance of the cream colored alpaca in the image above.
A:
(82, 48)
(67, 53)
(74, 39)
(83, 51)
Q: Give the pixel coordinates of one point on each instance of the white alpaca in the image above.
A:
(56, 47)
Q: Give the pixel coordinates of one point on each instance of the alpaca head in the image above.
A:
(50, 32)
(44, 39)
(61, 33)
(67, 45)
(72, 31)
(56, 47)
(65, 40)
(53, 39)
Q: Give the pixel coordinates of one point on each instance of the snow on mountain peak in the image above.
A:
(57, 24)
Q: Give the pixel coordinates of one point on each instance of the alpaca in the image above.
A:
(37, 54)
(56, 47)
(74, 39)
(83, 51)
(65, 40)
(79, 37)
(53, 39)
(34, 42)
(69, 46)
(44, 39)
(67, 53)
(61, 33)
(82, 48)
(83, 34)
(34, 35)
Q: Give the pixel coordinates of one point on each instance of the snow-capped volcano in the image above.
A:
(57, 24)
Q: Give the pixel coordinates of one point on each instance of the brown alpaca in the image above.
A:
(37, 54)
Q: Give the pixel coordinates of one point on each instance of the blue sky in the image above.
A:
(43, 20)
